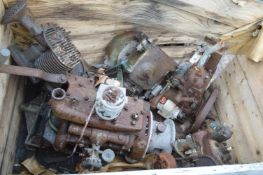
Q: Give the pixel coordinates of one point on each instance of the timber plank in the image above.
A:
(146, 13)
(5, 38)
(254, 75)
(246, 112)
(228, 114)
(223, 11)
(6, 114)
(10, 145)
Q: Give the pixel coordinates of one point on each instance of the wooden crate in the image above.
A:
(177, 26)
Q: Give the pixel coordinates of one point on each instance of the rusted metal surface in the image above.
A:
(62, 110)
(31, 72)
(61, 45)
(151, 67)
(62, 55)
(161, 160)
(212, 63)
(104, 136)
(142, 142)
(202, 138)
(216, 150)
(134, 120)
(79, 99)
(196, 82)
(186, 92)
(164, 161)
(63, 138)
(136, 141)
(205, 110)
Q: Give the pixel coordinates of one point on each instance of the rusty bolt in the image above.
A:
(120, 137)
(163, 100)
(161, 127)
(126, 108)
(133, 122)
(63, 78)
(141, 144)
(114, 121)
(135, 116)
(86, 98)
(74, 101)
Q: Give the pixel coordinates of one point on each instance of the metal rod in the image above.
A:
(31, 72)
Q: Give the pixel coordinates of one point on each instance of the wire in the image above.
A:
(52, 126)
(50, 123)
(83, 130)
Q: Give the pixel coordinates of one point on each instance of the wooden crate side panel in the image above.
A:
(240, 106)
(4, 33)
(8, 91)
(146, 13)
(6, 114)
(254, 74)
(13, 126)
(4, 85)
(223, 11)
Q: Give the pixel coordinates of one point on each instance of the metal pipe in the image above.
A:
(101, 137)
(63, 138)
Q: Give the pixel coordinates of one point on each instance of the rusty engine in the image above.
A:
(139, 106)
